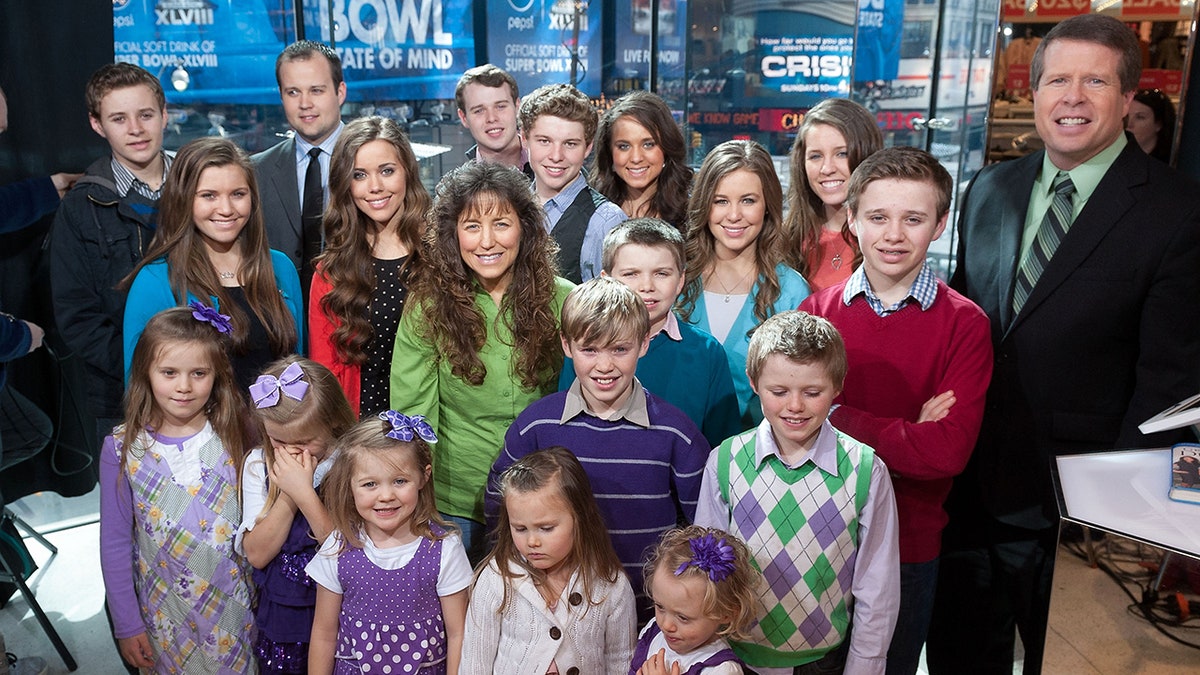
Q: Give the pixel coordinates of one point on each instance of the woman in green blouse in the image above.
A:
(479, 339)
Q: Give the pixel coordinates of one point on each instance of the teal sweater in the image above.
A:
(692, 375)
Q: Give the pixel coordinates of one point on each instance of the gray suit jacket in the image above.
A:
(276, 169)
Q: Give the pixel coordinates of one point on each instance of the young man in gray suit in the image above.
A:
(293, 189)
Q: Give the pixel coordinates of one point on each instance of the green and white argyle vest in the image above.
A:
(802, 529)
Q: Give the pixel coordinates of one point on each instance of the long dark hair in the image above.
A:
(189, 268)
(446, 287)
(669, 201)
(699, 241)
(806, 211)
(346, 262)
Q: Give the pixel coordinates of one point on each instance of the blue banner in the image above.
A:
(537, 40)
(223, 51)
(204, 50)
(397, 49)
(804, 56)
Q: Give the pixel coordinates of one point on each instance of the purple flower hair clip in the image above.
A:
(404, 428)
(202, 312)
(710, 555)
(265, 390)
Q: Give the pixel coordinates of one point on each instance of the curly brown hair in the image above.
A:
(189, 269)
(699, 241)
(445, 287)
(806, 211)
(346, 262)
(649, 110)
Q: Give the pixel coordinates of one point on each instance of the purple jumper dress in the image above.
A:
(287, 599)
(391, 620)
(642, 651)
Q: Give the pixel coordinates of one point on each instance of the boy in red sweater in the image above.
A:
(920, 358)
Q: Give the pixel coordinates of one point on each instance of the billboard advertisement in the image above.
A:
(538, 42)
(223, 51)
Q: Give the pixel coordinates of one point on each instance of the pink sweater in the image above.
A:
(897, 363)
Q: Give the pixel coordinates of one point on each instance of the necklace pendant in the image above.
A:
(727, 299)
(227, 275)
(836, 262)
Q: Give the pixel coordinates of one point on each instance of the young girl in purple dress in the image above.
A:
(393, 577)
(180, 595)
(703, 587)
(302, 410)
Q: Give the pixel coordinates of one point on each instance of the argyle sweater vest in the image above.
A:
(802, 529)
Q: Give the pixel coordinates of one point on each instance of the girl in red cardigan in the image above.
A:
(373, 228)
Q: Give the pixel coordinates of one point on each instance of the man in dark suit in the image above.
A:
(309, 75)
(1095, 330)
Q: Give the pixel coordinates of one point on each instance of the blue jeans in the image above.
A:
(918, 581)
(474, 537)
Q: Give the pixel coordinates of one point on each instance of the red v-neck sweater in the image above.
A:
(896, 364)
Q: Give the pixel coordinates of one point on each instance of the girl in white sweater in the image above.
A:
(551, 597)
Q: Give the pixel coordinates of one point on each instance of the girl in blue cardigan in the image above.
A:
(211, 246)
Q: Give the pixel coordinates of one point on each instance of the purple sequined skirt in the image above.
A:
(281, 658)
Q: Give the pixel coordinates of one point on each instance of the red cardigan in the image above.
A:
(896, 363)
(320, 342)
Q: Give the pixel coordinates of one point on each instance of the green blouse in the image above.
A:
(469, 421)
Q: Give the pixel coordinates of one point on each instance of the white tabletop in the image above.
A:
(1125, 492)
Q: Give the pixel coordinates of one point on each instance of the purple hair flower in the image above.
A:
(404, 428)
(713, 556)
(202, 312)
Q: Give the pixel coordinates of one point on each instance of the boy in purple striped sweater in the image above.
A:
(643, 456)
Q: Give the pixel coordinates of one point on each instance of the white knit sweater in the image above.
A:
(596, 637)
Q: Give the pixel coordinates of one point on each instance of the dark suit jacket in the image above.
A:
(1109, 336)
(276, 169)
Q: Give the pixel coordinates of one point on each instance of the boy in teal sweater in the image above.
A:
(683, 364)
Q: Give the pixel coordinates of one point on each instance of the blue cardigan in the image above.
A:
(151, 293)
(792, 289)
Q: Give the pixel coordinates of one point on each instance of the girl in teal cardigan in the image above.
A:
(735, 277)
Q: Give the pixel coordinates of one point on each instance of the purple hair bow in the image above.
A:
(710, 555)
(265, 390)
(404, 428)
(202, 312)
